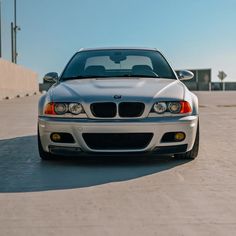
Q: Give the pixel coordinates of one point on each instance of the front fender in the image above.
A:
(195, 104)
(193, 99)
(41, 104)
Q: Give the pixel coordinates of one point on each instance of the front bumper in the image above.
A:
(157, 126)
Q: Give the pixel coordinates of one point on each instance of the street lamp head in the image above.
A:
(17, 28)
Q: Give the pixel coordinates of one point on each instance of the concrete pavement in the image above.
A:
(118, 197)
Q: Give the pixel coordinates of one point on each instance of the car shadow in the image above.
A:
(23, 171)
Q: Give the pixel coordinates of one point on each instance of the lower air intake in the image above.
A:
(117, 141)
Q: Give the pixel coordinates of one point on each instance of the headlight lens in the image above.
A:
(75, 108)
(60, 108)
(160, 107)
(174, 107)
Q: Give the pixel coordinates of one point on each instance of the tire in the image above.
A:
(192, 154)
(44, 155)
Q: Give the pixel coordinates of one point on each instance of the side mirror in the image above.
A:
(185, 75)
(51, 77)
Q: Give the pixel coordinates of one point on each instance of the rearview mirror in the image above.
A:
(118, 57)
(51, 77)
(185, 75)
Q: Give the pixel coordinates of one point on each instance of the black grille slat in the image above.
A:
(117, 141)
(131, 109)
(104, 109)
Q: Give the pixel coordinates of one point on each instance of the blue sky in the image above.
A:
(192, 34)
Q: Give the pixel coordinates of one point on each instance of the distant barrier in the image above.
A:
(227, 86)
(16, 80)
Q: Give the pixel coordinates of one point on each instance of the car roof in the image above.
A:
(117, 48)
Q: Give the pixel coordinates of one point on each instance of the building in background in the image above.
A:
(201, 80)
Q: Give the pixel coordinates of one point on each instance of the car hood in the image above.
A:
(135, 89)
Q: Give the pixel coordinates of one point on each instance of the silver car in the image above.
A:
(118, 101)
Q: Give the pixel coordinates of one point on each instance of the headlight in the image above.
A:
(160, 107)
(181, 107)
(174, 107)
(75, 108)
(63, 108)
(60, 108)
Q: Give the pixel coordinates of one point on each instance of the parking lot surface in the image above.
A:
(110, 196)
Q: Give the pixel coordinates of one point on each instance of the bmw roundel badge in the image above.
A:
(117, 96)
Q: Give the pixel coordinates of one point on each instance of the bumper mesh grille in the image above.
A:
(117, 141)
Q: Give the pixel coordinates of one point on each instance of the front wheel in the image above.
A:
(192, 154)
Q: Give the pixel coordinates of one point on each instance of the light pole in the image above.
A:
(0, 29)
(16, 28)
(12, 43)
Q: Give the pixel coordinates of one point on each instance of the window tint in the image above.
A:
(118, 63)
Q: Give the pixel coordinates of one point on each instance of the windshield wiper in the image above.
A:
(112, 76)
(82, 77)
(143, 76)
(166, 77)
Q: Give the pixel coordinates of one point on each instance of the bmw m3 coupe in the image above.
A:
(118, 101)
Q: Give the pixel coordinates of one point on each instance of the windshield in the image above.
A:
(117, 63)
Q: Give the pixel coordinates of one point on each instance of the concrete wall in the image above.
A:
(16, 80)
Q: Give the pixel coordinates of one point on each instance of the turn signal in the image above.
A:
(185, 107)
(49, 109)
